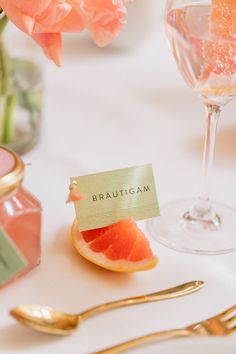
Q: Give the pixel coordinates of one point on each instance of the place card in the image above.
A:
(12, 262)
(115, 195)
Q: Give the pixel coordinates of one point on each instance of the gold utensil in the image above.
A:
(49, 320)
(220, 325)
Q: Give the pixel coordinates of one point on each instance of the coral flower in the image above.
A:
(46, 20)
(104, 18)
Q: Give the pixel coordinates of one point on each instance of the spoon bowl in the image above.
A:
(46, 319)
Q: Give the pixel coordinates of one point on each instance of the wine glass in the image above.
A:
(204, 49)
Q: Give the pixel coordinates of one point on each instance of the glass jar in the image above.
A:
(20, 220)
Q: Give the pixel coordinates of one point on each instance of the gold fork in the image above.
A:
(222, 324)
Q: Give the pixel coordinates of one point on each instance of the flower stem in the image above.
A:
(3, 23)
(4, 70)
(2, 110)
(7, 100)
(8, 133)
(3, 86)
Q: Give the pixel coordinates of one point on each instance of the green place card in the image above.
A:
(116, 195)
(12, 262)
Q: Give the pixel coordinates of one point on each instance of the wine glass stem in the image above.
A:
(213, 113)
(202, 209)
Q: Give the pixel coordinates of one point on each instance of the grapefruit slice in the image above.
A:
(219, 54)
(120, 247)
(220, 58)
(223, 18)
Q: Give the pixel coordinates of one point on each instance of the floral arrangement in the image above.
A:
(45, 21)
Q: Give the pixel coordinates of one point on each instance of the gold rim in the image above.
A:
(14, 178)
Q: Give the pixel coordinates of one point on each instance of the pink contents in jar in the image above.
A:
(20, 211)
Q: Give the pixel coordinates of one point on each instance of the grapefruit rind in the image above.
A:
(122, 265)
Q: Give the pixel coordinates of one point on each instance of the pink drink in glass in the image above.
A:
(206, 61)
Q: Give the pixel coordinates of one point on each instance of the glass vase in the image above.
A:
(20, 91)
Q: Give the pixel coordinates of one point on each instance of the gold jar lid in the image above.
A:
(11, 171)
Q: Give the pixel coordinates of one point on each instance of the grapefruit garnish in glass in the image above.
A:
(223, 18)
(120, 247)
(220, 51)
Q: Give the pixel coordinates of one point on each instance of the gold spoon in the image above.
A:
(49, 320)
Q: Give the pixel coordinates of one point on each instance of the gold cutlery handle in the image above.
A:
(175, 333)
(180, 290)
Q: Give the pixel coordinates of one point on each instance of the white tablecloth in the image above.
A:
(109, 108)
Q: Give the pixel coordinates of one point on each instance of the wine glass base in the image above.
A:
(176, 232)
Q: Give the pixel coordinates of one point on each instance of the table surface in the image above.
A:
(109, 108)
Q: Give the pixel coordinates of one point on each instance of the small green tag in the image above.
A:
(116, 195)
(12, 262)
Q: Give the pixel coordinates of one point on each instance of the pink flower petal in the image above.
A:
(31, 7)
(102, 36)
(51, 44)
(21, 20)
(99, 10)
(104, 18)
(71, 23)
(54, 13)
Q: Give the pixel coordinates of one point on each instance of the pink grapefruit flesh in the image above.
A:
(120, 247)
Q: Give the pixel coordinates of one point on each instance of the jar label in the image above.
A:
(12, 261)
